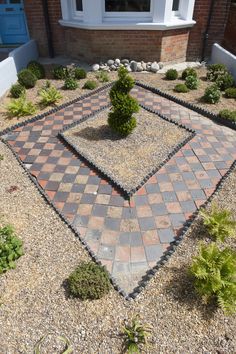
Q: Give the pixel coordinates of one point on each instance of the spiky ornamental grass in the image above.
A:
(219, 223)
(214, 271)
(135, 334)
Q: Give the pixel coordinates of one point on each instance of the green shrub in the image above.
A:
(10, 248)
(1, 157)
(49, 95)
(17, 90)
(188, 72)
(90, 85)
(26, 78)
(102, 76)
(219, 223)
(216, 70)
(227, 114)
(212, 94)
(20, 107)
(80, 73)
(230, 92)
(215, 275)
(181, 88)
(171, 74)
(89, 281)
(225, 81)
(192, 82)
(60, 72)
(70, 84)
(37, 69)
(121, 119)
(135, 334)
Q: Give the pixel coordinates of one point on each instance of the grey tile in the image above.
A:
(188, 206)
(121, 267)
(137, 267)
(188, 176)
(196, 167)
(197, 194)
(78, 188)
(140, 200)
(154, 252)
(106, 252)
(88, 198)
(70, 208)
(163, 177)
(166, 235)
(99, 210)
(93, 235)
(205, 183)
(68, 178)
(129, 213)
(94, 180)
(152, 188)
(84, 171)
(116, 200)
(81, 220)
(112, 224)
(179, 186)
(177, 220)
(159, 209)
(169, 196)
(147, 224)
(125, 238)
(104, 189)
(136, 239)
(213, 174)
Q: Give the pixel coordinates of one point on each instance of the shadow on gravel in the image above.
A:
(96, 134)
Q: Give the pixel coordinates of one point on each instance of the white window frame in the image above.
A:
(94, 16)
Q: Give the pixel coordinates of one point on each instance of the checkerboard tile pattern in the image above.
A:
(128, 237)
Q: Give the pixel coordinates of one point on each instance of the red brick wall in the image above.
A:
(92, 45)
(229, 41)
(216, 29)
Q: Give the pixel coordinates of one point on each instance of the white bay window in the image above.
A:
(127, 14)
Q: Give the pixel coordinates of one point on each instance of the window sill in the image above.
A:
(173, 24)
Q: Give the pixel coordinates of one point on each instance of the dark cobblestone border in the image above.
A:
(127, 193)
(150, 273)
(204, 112)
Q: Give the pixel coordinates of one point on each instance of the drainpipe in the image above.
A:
(206, 34)
(48, 28)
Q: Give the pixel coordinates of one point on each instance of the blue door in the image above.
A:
(13, 28)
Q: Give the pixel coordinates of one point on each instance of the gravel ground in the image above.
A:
(127, 160)
(34, 301)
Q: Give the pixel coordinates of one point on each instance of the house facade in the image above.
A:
(92, 30)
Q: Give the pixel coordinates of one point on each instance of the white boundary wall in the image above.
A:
(221, 55)
(17, 60)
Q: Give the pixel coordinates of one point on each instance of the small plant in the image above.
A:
(26, 78)
(225, 81)
(192, 82)
(10, 248)
(227, 114)
(216, 70)
(1, 157)
(90, 85)
(135, 334)
(20, 107)
(230, 92)
(212, 94)
(37, 69)
(49, 95)
(215, 275)
(70, 84)
(60, 72)
(121, 119)
(80, 73)
(188, 72)
(17, 90)
(89, 281)
(102, 76)
(219, 223)
(67, 350)
(171, 74)
(181, 88)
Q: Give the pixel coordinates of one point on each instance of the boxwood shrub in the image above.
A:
(80, 73)
(171, 74)
(212, 94)
(225, 81)
(230, 92)
(227, 114)
(26, 78)
(17, 90)
(188, 72)
(37, 69)
(181, 88)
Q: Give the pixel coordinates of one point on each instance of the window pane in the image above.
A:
(175, 6)
(79, 5)
(127, 5)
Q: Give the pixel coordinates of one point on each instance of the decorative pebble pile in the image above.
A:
(131, 65)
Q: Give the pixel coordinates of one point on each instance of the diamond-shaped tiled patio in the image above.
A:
(128, 236)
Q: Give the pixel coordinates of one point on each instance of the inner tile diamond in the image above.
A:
(126, 161)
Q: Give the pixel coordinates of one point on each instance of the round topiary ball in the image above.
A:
(188, 72)
(37, 69)
(89, 281)
(171, 74)
(80, 73)
(26, 78)
(17, 90)
(181, 88)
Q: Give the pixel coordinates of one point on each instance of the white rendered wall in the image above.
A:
(221, 55)
(8, 74)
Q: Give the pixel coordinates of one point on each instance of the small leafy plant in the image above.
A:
(60, 72)
(26, 78)
(181, 88)
(89, 281)
(80, 73)
(102, 76)
(214, 271)
(1, 157)
(70, 84)
(188, 72)
(37, 69)
(135, 334)
(17, 90)
(230, 92)
(171, 74)
(20, 107)
(219, 223)
(11, 248)
(192, 82)
(225, 81)
(90, 85)
(49, 95)
(212, 94)
(227, 114)
(216, 70)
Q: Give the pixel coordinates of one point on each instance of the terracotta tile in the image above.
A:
(85, 209)
(96, 222)
(122, 253)
(144, 210)
(138, 254)
(114, 212)
(129, 225)
(151, 237)
(173, 207)
(102, 199)
(155, 198)
(166, 187)
(183, 196)
(109, 237)
(163, 222)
